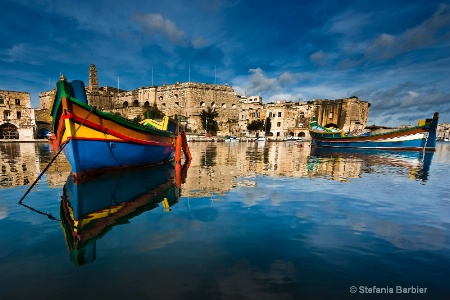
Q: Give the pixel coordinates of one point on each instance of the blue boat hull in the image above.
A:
(418, 138)
(88, 156)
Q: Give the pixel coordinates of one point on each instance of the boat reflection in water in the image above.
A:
(90, 209)
(341, 164)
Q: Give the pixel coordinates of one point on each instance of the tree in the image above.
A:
(267, 125)
(208, 120)
(255, 125)
(153, 112)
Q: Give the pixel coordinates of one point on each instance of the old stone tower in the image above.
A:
(93, 79)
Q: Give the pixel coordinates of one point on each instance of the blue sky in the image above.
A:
(394, 54)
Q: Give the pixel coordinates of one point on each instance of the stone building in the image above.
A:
(291, 119)
(235, 112)
(181, 99)
(349, 114)
(285, 119)
(17, 119)
(250, 109)
(443, 132)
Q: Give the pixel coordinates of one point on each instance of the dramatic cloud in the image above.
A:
(392, 53)
(432, 30)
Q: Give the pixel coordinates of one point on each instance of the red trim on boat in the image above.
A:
(102, 129)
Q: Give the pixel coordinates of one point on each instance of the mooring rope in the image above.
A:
(53, 159)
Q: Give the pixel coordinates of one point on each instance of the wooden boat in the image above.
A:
(418, 138)
(91, 208)
(97, 142)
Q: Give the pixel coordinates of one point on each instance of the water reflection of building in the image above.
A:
(216, 167)
(18, 164)
(21, 163)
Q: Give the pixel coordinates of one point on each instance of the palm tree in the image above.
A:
(208, 120)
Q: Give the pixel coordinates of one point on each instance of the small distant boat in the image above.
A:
(293, 139)
(230, 139)
(418, 138)
(260, 139)
(96, 142)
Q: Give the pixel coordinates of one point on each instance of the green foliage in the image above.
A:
(137, 119)
(208, 120)
(255, 125)
(153, 112)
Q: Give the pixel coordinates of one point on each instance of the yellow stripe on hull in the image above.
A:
(85, 132)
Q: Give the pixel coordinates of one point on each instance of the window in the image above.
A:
(7, 115)
(136, 103)
(270, 114)
(279, 114)
(330, 116)
(146, 104)
(125, 104)
(278, 124)
(17, 101)
(302, 115)
(19, 115)
(1, 100)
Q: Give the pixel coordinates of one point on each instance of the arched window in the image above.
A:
(125, 104)
(146, 104)
(135, 103)
(8, 132)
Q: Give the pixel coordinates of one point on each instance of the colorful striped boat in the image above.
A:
(97, 142)
(90, 209)
(418, 138)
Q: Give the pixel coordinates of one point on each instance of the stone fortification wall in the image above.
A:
(347, 114)
(45, 99)
(17, 120)
(185, 99)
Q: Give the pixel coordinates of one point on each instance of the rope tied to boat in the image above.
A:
(54, 158)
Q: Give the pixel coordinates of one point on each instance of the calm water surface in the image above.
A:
(249, 221)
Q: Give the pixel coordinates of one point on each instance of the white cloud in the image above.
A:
(156, 24)
(319, 58)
